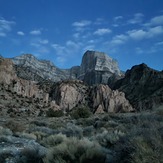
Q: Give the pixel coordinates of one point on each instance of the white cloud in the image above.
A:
(99, 21)
(158, 20)
(66, 51)
(2, 34)
(5, 26)
(144, 34)
(138, 18)
(155, 31)
(102, 31)
(137, 34)
(35, 32)
(76, 35)
(45, 41)
(20, 33)
(119, 39)
(159, 43)
(38, 42)
(117, 18)
(82, 23)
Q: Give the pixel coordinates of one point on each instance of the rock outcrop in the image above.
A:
(107, 100)
(20, 96)
(142, 86)
(69, 94)
(20, 86)
(30, 68)
(96, 67)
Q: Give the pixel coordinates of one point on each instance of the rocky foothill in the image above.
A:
(33, 86)
(20, 96)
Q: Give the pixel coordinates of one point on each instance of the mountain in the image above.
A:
(96, 67)
(26, 97)
(142, 86)
(29, 67)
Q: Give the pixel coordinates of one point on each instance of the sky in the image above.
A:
(130, 31)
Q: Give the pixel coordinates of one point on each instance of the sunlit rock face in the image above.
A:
(100, 98)
(18, 85)
(29, 67)
(97, 67)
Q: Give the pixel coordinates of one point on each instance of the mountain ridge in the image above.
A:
(94, 63)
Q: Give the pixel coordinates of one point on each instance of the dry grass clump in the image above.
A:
(73, 150)
(15, 126)
(143, 143)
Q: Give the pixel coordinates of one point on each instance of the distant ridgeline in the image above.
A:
(96, 67)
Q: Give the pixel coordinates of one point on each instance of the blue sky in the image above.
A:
(130, 31)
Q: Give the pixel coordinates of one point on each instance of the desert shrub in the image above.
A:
(39, 123)
(54, 113)
(5, 131)
(159, 110)
(31, 155)
(73, 150)
(88, 131)
(72, 130)
(53, 140)
(15, 126)
(28, 136)
(109, 138)
(144, 143)
(80, 112)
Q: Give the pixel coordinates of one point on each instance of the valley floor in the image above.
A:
(105, 138)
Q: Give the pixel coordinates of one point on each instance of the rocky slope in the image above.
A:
(66, 95)
(20, 96)
(143, 87)
(30, 68)
(96, 67)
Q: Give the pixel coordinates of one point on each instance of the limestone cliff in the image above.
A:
(96, 67)
(29, 67)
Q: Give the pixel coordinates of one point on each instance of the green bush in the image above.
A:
(80, 112)
(54, 113)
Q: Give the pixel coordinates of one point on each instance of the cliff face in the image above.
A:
(143, 87)
(68, 94)
(19, 96)
(29, 67)
(96, 67)
(20, 86)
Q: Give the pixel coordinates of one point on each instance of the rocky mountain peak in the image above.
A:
(98, 61)
(98, 67)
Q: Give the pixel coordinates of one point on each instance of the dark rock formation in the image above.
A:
(142, 86)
